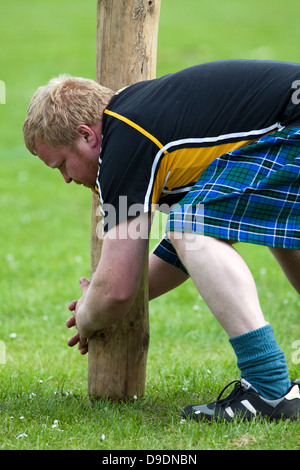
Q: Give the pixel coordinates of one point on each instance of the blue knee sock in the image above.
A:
(262, 362)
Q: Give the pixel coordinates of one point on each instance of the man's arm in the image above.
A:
(111, 292)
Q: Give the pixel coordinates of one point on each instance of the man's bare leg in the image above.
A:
(223, 279)
(163, 277)
(226, 284)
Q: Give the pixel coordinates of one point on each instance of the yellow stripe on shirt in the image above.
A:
(182, 168)
(135, 126)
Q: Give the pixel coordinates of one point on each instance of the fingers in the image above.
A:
(72, 305)
(82, 343)
(71, 322)
(74, 340)
(84, 350)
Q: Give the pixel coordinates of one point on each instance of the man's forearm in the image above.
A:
(115, 282)
(100, 309)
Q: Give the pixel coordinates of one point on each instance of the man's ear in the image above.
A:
(87, 134)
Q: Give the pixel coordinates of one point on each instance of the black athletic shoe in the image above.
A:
(245, 402)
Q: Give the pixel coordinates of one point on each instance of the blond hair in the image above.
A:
(58, 108)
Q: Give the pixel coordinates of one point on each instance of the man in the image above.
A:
(219, 145)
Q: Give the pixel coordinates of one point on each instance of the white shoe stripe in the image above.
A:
(229, 411)
(249, 407)
(293, 393)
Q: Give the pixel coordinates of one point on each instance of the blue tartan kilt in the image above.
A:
(249, 195)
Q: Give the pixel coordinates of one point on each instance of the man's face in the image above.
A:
(80, 166)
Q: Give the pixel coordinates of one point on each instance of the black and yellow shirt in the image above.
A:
(160, 135)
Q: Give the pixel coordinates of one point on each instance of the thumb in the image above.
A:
(84, 284)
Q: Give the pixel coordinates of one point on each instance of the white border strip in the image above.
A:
(199, 140)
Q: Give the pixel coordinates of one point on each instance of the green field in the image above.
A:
(45, 248)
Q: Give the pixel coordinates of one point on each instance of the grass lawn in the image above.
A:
(45, 248)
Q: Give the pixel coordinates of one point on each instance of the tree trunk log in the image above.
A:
(125, 54)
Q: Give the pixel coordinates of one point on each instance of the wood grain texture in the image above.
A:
(126, 52)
